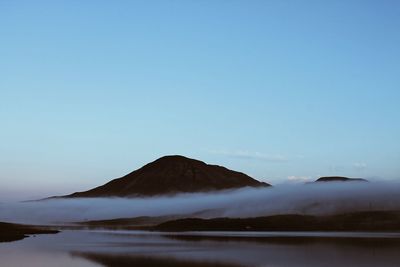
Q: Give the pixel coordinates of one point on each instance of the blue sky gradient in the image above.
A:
(281, 90)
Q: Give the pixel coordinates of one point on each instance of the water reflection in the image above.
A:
(378, 242)
(148, 261)
(130, 248)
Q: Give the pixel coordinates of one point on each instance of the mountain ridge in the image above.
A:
(339, 179)
(172, 174)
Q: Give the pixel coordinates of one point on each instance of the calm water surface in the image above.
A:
(219, 249)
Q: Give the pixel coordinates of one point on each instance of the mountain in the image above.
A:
(340, 179)
(170, 175)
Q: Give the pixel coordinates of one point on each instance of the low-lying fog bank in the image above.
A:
(311, 199)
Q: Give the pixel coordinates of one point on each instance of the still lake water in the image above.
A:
(219, 249)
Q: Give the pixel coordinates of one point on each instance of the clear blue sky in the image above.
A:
(281, 90)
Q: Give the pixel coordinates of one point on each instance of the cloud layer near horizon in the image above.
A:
(315, 198)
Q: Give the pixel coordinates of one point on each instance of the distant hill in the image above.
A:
(382, 221)
(170, 175)
(130, 223)
(340, 179)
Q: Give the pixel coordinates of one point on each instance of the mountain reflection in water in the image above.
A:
(147, 261)
(219, 249)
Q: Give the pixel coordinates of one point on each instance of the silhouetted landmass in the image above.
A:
(170, 175)
(357, 221)
(340, 179)
(141, 222)
(110, 260)
(130, 223)
(12, 232)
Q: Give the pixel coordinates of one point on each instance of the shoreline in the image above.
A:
(13, 232)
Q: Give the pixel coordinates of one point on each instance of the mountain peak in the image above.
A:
(170, 175)
(175, 159)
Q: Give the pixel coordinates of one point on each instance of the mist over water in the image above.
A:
(314, 199)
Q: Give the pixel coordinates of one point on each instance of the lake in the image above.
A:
(94, 248)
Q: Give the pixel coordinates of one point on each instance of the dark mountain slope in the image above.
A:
(171, 175)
